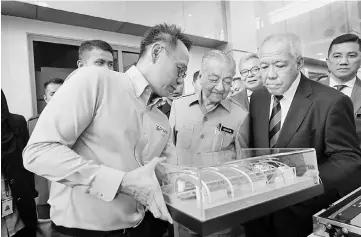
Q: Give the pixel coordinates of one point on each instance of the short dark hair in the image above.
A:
(195, 76)
(344, 39)
(92, 44)
(165, 33)
(57, 81)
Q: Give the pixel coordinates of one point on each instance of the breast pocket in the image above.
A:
(222, 141)
(184, 135)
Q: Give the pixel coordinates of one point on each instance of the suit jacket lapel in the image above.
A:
(297, 112)
(356, 95)
(245, 97)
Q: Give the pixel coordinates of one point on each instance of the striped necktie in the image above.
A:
(275, 121)
(340, 87)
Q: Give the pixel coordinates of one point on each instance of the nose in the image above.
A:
(220, 86)
(344, 60)
(272, 75)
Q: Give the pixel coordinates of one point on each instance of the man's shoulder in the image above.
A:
(239, 99)
(184, 98)
(324, 92)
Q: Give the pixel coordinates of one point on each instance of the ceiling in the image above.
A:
(36, 12)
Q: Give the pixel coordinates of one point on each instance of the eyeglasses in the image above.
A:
(182, 70)
(225, 82)
(254, 71)
(350, 58)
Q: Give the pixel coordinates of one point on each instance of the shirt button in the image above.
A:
(100, 194)
(202, 136)
(205, 119)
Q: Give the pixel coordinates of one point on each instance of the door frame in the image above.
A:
(31, 37)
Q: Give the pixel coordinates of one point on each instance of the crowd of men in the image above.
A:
(102, 135)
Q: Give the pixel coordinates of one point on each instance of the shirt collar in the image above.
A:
(141, 85)
(290, 93)
(249, 92)
(197, 98)
(350, 83)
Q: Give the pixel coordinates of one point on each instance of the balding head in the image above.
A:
(291, 40)
(220, 56)
(280, 62)
(217, 71)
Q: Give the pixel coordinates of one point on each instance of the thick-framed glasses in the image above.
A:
(338, 57)
(254, 71)
(182, 70)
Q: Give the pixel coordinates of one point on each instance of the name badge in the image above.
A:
(159, 128)
(6, 206)
(227, 130)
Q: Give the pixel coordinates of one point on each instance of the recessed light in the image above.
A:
(320, 54)
(189, 14)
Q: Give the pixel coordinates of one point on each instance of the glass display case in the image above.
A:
(215, 187)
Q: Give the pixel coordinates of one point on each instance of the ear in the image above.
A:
(45, 99)
(328, 62)
(156, 49)
(80, 63)
(300, 63)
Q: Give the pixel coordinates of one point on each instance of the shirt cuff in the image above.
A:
(106, 183)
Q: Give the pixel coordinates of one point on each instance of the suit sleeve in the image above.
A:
(242, 139)
(49, 152)
(342, 170)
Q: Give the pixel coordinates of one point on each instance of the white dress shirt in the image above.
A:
(249, 93)
(349, 85)
(287, 99)
(98, 126)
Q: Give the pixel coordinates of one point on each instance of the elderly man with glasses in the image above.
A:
(249, 70)
(208, 126)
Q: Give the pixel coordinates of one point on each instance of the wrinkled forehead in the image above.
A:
(275, 50)
(219, 67)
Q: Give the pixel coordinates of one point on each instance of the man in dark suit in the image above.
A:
(295, 112)
(344, 59)
(249, 70)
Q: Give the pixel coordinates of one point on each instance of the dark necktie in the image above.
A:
(275, 121)
(340, 87)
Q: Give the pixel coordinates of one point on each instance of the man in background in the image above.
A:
(249, 70)
(237, 86)
(41, 184)
(96, 53)
(344, 60)
(195, 82)
(50, 88)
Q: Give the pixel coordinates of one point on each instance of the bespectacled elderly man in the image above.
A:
(250, 75)
(295, 112)
(207, 125)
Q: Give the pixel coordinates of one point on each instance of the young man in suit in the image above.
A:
(344, 59)
(249, 70)
(295, 112)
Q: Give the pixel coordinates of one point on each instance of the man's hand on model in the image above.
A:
(142, 185)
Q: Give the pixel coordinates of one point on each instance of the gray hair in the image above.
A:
(217, 54)
(293, 40)
(246, 58)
